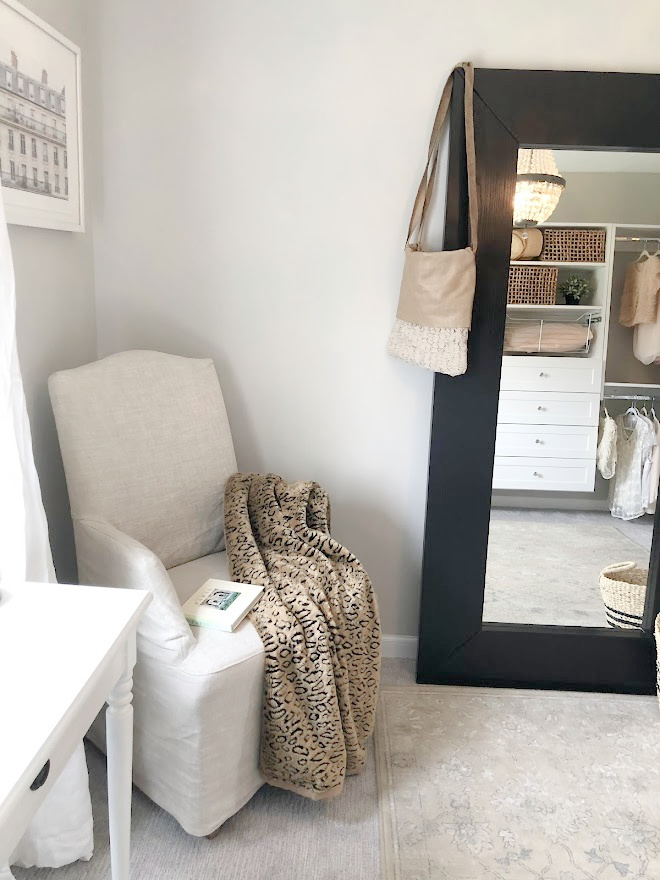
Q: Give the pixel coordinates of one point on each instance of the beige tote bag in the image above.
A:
(437, 289)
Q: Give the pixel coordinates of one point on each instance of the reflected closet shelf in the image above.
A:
(556, 307)
(560, 263)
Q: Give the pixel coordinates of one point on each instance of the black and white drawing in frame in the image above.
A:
(40, 122)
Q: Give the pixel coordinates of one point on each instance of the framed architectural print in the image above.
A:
(40, 122)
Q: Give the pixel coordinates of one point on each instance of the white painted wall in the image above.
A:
(257, 164)
(56, 320)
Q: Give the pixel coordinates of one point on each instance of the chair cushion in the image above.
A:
(198, 722)
(215, 650)
(147, 447)
(192, 575)
(196, 739)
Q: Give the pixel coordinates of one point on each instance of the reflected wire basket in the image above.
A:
(549, 336)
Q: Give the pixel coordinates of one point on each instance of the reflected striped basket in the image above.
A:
(623, 588)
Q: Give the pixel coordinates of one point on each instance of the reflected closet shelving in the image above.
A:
(550, 403)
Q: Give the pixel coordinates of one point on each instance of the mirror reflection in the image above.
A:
(577, 459)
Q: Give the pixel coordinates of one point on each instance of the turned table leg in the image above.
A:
(119, 730)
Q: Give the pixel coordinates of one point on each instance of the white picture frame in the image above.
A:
(41, 163)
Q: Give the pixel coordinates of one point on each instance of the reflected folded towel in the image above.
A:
(546, 336)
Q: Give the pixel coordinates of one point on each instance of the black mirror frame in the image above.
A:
(613, 111)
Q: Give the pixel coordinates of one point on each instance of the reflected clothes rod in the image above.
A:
(634, 238)
(631, 396)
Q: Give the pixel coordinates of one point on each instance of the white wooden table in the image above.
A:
(64, 651)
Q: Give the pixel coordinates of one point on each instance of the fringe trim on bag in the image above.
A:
(441, 349)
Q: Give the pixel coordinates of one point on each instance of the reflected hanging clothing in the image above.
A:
(606, 452)
(646, 464)
(639, 308)
(639, 303)
(654, 478)
(646, 342)
(634, 447)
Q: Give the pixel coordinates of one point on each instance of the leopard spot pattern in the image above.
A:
(319, 622)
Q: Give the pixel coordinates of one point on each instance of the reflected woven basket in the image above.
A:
(623, 588)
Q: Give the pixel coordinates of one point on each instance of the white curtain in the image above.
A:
(61, 831)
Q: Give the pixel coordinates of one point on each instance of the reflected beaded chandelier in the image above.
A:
(538, 187)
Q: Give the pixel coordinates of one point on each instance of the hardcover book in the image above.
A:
(221, 604)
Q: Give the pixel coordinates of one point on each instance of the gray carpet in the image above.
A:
(474, 783)
(543, 565)
(277, 836)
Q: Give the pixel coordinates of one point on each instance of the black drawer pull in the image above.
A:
(41, 777)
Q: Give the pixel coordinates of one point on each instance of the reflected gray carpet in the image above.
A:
(481, 784)
(543, 566)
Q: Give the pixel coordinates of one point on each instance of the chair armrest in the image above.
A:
(109, 558)
(216, 651)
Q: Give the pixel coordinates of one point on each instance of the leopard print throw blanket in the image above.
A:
(318, 619)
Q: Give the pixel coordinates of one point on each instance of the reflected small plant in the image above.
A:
(574, 289)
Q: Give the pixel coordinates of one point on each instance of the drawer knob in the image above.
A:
(537, 474)
(541, 408)
(538, 441)
(41, 777)
(543, 375)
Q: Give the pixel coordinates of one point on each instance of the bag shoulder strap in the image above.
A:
(425, 190)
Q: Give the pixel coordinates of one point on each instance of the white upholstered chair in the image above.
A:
(147, 451)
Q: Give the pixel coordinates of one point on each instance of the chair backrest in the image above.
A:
(147, 447)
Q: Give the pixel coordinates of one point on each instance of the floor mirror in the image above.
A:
(545, 455)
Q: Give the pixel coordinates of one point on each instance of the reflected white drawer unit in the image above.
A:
(547, 424)
(550, 474)
(551, 408)
(551, 374)
(546, 441)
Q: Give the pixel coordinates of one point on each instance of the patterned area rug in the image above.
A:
(495, 784)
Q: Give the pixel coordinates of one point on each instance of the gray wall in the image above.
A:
(258, 163)
(56, 320)
(608, 198)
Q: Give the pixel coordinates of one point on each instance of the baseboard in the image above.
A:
(403, 647)
(550, 501)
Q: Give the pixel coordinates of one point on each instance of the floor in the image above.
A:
(543, 565)
(277, 836)
(499, 784)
